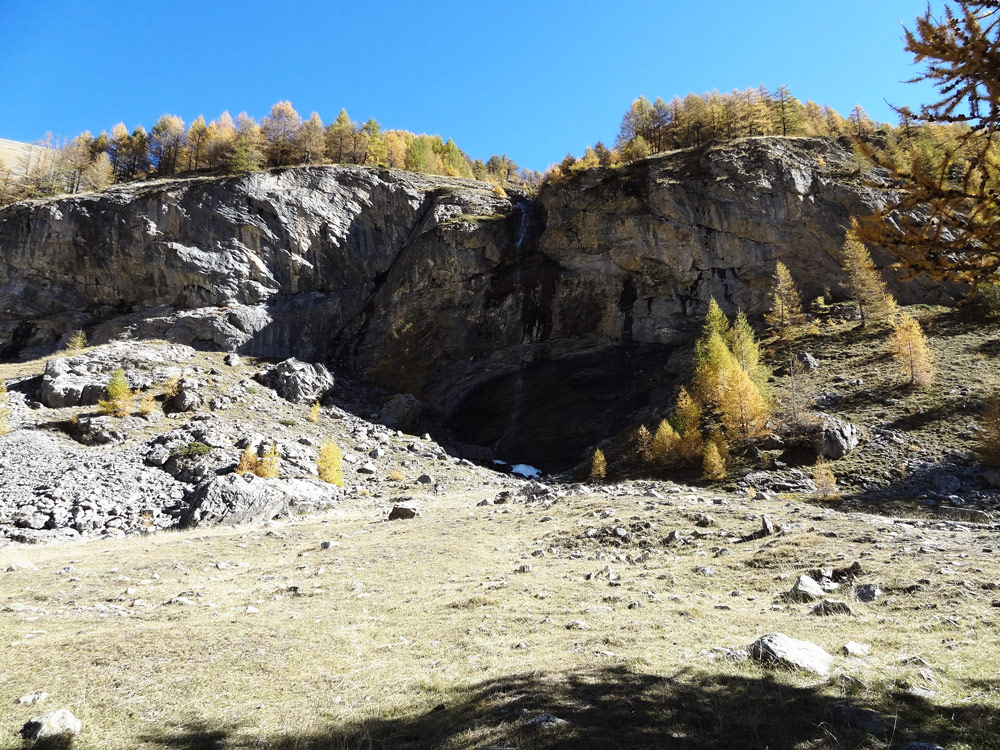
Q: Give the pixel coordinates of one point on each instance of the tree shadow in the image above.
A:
(619, 708)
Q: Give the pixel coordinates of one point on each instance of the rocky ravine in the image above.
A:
(532, 327)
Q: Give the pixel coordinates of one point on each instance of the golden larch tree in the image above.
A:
(909, 346)
(664, 448)
(598, 466)
(875, 304)
(786, 304)
(742, 408)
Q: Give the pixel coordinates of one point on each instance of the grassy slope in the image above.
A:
(423, 634)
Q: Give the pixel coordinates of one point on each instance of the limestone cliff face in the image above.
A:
(533, 326)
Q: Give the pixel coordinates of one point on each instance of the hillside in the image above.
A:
(439, 333)
(13, 153)
(624, 610)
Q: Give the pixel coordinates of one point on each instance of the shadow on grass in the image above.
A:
(618, 708)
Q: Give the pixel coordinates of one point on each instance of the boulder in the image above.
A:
(805, 590)
(58, 723)
(807, 361)
(403, 511)
(962, 515)
(65, 383)
(831, 607)
(297, 381)
(232, 499)
(400, 412)
(778, 648)
(835, 438)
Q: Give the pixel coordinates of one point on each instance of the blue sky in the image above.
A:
(534, 80)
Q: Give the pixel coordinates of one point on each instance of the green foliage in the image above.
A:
(192, 449)
(119, 399)
(986, 301)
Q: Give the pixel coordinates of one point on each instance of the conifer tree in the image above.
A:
(76, 343)
(329, 463)
(786, 304)
(712, 465)
(742, 409)
(746, 351)
(875, 304)
(249, 462)
(909, 346)
(825, 481)
(598, 466)
(642, 445)
(119, 395)
(713, 363)
(686, 421)
(664, 447)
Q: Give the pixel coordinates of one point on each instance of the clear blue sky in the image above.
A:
(531, 79)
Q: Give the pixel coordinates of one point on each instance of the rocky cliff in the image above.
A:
(533, 326)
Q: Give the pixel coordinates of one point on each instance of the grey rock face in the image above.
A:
(791, 652)
(298, 382)
(400, 412)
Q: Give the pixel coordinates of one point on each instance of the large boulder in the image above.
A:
(400, 412)
(297, 381)
(835, 438)
(68, 383)
(778, 648)
(233, 499)
(55, 724)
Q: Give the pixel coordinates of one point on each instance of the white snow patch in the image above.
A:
(525, 470)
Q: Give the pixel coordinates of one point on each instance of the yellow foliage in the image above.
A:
(249, 462)
(598, 466)
(314, 413)
(329, 463)
(713, 362)
(4, 410)
(499, 192)
(825, 481)
(642, 444)
(875, 303)
(742, 409)
(666, 441)
(712, 465)
(76, 343)
(172, 386)
(786, 306)
(268, 466)
(147, 404)
(686, 420)
(396, 476)
(908, 345)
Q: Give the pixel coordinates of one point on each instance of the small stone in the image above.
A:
(57, 723)
(831, 607)
(32, 698)
(403, 512)
(547, 721)
(577, 625)
(705, 570)
(859, 718)
(367, 468)
(805, 590)
(921, 746)
(425, 479)
(855, 650)
(232, 359)
(867, 592)
(252, 610)
(766, 526)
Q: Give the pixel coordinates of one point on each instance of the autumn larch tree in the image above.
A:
(281, 130)
(909, 346)
(786, 304)
(944, 222)
(875, 304)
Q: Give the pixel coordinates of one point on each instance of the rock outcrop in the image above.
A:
(532, 326)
